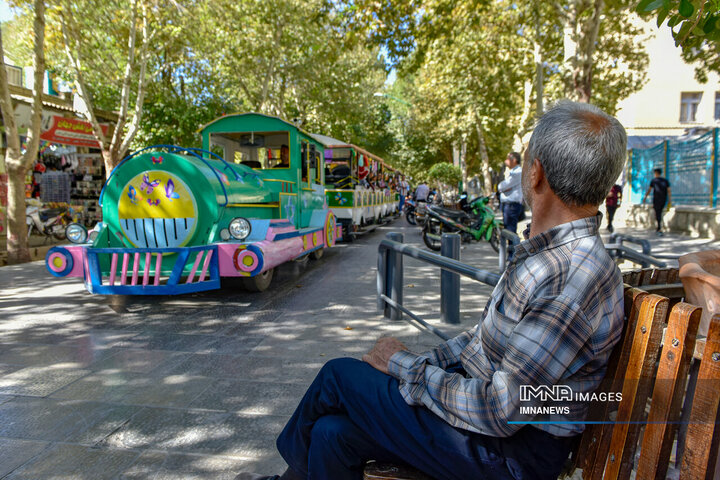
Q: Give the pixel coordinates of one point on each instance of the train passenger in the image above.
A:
(284, 157)
(460, 410)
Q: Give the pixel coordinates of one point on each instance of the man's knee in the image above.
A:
(339, 366)
(331, 430)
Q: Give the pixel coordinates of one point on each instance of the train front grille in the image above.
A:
(157, 232)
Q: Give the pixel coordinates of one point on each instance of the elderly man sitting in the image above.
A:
(456, 412)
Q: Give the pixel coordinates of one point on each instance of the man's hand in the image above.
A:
(379, 355)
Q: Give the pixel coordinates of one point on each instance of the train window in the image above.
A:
(319, 167)
(304, 159)
(259, 150)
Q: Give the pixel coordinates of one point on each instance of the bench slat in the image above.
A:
(699, 458)
(636, 387)
(668, 392)
(595, 441)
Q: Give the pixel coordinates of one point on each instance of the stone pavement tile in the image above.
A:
(233, 345)
(7, 369)
(136, 360)
(201, 467)
(146, 466)
(248, 367)
(103, 386)
(39, 381)
(69, 356)
(65, 461)
(185, 325)
(167, 391)
(245, 436)
(136, 388)
(312, 350)
(213, 433)
(15, 452)
(56, 420)
(259, 398)
(169, 429)
(169, 341)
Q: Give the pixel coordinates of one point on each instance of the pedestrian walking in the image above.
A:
(612, 202)
(660, 188)
(511, 196)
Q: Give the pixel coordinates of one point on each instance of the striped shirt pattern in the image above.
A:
(552, 319)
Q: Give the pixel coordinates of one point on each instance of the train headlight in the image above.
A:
(76, 233)
(224, 234)
(239, 228)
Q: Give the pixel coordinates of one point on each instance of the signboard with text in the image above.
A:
(72, 131)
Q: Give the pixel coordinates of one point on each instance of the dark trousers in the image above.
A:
(611, 215)
(659, 209)
(353, 413)
(511, 215)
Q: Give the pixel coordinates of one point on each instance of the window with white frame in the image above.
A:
(14, 75)
(689, 102)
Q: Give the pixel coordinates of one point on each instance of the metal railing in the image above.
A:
(390, 278)
(618, 250)
(390, 272)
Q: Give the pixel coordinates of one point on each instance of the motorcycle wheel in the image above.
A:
(410, 217)
(435, 229)
(495, 240)
(58, 231)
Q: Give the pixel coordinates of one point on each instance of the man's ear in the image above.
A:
(537, 173)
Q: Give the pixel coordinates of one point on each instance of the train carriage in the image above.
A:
(176, 220)
(353, 201)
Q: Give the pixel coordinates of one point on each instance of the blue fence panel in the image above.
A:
(690, 171)
(688, 166)
(644, 161)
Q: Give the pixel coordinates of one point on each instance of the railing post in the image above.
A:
(394, 278)
(449, 281)
(381, 279)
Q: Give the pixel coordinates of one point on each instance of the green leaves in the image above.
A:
(649, 5)
(686, 8)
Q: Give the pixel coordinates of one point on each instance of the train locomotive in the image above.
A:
(176, 220)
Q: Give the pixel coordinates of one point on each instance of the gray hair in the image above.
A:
(582, 150)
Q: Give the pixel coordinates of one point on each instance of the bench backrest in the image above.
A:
(651, 372)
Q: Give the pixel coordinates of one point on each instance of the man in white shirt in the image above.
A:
(511, 195)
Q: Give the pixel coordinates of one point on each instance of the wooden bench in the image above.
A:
(641, 432)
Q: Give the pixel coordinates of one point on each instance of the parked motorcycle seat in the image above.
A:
(449, 213)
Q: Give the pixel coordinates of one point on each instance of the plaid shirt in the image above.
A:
(553, 319)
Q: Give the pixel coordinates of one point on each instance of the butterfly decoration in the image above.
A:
(152, 202)
(148, 186)
(157, 160)
(170, 192)
(341, 200)
(132, 193)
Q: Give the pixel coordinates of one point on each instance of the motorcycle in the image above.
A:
(475, 222)
(409, 211)
(48, 221)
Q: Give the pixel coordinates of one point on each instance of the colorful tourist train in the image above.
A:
(354, 181)
(176, 220)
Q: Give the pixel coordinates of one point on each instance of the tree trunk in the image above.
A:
(539, 79)
(17, 239)
(524, 118)
(16, 162)
(580, 32)
(110, 160)
(484, 160)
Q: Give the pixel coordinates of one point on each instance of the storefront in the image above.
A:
(69, 170)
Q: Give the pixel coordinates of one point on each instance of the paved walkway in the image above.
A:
(196, 386)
